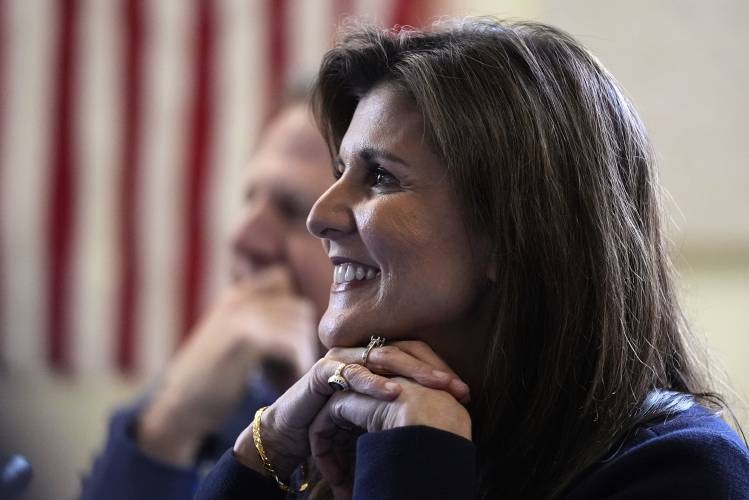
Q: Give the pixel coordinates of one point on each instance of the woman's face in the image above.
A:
(405, 266)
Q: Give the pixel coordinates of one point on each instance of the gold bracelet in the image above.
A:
(264, 458)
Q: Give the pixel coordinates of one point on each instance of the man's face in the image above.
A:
(290, 170)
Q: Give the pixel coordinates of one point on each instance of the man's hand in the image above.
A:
(252, 321)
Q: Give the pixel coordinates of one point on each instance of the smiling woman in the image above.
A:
(394, 210)
(496, 220)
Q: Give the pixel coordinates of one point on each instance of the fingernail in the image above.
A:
(440, 374)
(460, 386)
(392, 387)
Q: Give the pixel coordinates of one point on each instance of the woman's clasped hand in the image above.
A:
(403, 383)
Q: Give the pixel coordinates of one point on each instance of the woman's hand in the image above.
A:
(286, 423)
(346, 411)
(413, 359)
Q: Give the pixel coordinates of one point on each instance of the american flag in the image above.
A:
(124, 128)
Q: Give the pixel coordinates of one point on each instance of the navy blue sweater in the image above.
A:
(691, 455)
(123, 472)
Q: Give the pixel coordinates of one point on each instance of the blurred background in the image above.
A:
(124, 127)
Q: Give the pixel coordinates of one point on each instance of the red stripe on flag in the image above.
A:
(197, 175)
(60, 222)
(409, 12)
(341, 9)
(278, 54)
(133, 34)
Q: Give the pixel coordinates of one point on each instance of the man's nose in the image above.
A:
(259, 235)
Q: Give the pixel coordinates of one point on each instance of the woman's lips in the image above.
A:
(342, 287)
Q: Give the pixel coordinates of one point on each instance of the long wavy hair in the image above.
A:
(551, 161)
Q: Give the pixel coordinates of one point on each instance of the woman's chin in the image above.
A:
(333, 333)
(337, 338)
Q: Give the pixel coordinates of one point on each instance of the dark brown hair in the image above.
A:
(551, 161)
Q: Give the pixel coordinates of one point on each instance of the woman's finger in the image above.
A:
(299, 405)
(422, 351)
(335, 461)
(332, 426)
(359, 378)
(392, 360)
(416, 360)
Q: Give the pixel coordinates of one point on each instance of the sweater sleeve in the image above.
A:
(415, 462)
(230, 480)
(687, 465)
(122, 471)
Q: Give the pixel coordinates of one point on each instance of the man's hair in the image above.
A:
(550, 160)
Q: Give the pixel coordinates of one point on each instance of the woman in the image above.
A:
(495, 218)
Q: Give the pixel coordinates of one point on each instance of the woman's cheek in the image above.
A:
(395, 232)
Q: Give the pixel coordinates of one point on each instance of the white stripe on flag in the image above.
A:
(95, 257)
(239, 114)
(31, 31)
(168, 61)
(378, 12)
(309, 33)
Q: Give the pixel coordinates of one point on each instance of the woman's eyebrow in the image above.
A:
(369, 154)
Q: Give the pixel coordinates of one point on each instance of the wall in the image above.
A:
(683, 63)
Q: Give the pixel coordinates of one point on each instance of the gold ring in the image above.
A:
(373, 342)
(337, 381)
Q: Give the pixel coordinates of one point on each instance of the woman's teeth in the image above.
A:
(344, 273)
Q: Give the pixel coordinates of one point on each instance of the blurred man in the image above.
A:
(259, 336)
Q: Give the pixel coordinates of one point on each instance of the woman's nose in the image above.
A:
(332, 214)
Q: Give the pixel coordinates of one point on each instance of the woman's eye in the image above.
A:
(383, 178)
(338, 168)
